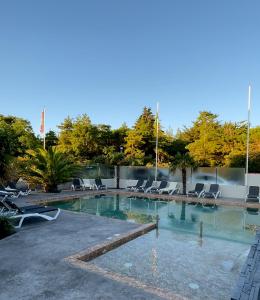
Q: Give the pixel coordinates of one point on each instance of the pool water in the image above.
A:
(223, 222)
(175, 257)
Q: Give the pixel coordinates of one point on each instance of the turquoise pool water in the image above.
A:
(227, 223)
(175, 258)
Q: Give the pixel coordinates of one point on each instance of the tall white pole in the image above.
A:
(156, 145)
(248, 131)
(44, 143)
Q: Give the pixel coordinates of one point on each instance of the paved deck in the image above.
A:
(33, 265)
(67, 195)
(248, 285)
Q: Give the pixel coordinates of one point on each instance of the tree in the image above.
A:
(182, 161)
(204, 145)
(140, 140)
(16, 137)
(51, 139)
(48, 168)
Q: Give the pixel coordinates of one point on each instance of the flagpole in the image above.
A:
(248, 131)
(156, 145)
(44, 142)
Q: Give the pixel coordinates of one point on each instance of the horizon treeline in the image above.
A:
(208, 141)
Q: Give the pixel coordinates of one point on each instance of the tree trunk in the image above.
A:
(117, 176)
(183, 180)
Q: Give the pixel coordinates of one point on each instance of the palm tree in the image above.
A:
(49, 168)
(182, 161)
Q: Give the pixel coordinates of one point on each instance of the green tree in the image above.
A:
(16, 137)
(205, 145)
(51, 139)
(140, 140)
(48, 168)
(182, 162)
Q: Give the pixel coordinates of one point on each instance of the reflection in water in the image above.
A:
(154, 257)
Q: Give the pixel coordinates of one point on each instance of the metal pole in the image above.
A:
(156, 145)
(44, 142)
(248, 131)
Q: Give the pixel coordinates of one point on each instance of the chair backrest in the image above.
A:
(140, 182)
(199, 187)
(11, 205)
(11, 185)
(213, 188)
(86, 181)
(2, 188)
(76, 182)
(149, 183)
(253, 191)
(98, 181)
(163, 184)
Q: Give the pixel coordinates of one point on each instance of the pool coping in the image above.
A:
(83, 260)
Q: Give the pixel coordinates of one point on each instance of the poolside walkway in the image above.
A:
(33, 262)
(67, 195)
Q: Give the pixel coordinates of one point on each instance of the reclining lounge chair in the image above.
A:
(162, 185)
(139, 184)
(77, 184)
(99, 185)
(148, 185)
(22, 213)
(171, 189)
(198, 191)
(12, 186)
(253, 194)
(213, 192)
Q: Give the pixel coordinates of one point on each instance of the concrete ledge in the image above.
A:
(109, 245)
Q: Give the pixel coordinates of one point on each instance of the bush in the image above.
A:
(6, 228)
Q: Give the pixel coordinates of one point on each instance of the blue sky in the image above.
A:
(110, 58)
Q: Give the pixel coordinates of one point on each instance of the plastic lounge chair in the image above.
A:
(139, 184)
(171, 189)
(11, 194)
(198, 191)
(213, 192)
(99, 185)
(22, 213)
(148, 185)
(162, 185)
(77, 184)
(87, 185)
(253, 194)
(12, 186)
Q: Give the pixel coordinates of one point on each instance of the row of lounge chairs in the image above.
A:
(173, 188)
(13, 191)
(149, 187)
(85, 184)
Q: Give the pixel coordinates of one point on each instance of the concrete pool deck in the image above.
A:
(33, 261)
(68, 195)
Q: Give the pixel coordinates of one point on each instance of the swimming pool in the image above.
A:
(176, 259)
(228, 223)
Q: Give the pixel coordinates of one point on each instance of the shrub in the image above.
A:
(6, 228)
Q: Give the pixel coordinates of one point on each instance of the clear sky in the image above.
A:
(109, 58)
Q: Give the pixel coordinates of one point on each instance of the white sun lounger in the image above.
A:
(170, 189)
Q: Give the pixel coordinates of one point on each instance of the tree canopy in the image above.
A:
(208, 141)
